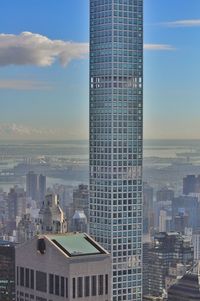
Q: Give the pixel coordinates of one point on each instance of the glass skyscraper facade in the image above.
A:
(116, 136)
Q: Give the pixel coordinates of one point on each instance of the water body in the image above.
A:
(79, 149)
(76, 153)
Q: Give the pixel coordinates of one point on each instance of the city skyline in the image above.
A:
(46, 96)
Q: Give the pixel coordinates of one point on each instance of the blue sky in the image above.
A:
(49, 99)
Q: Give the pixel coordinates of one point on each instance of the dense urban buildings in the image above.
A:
(21, 217)
(162, 259)
(63, 267)
(7, 271)
(116, 134)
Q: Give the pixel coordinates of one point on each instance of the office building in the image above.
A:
(162, 209)
(41, 187)
(190, 206)
(7, 271)
(21, 205)
(191, 184)
(12, 210)
(31, 185)
(116, 135)
(181, 221)
(63, 267)
(164, 194)
(148, 210)
(167, 250)
(81, 199)
(196, 245)
(165, 221)
(15, 208)
(36, 186)
(3, 212)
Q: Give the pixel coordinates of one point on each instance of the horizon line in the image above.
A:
(84, 140)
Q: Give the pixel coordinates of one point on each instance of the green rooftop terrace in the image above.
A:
(76, 244)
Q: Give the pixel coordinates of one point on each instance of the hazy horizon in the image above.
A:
(87, 140)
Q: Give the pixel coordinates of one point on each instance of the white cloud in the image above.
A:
(184, 23)
(22, 131)
(34, 49)
(158, 47)
(18, 130)
(23, 85)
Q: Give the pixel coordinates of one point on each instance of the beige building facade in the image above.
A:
(63, 267)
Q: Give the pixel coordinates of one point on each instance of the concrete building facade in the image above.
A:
(63, 267)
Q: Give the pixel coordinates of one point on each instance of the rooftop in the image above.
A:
(188, 287)
(76, 244)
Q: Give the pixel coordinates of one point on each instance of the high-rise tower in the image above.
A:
(31, 185)
(116, 134)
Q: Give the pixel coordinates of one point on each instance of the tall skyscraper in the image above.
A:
(36, 186)
(31, 185)
(41, 187)
(116, 134)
